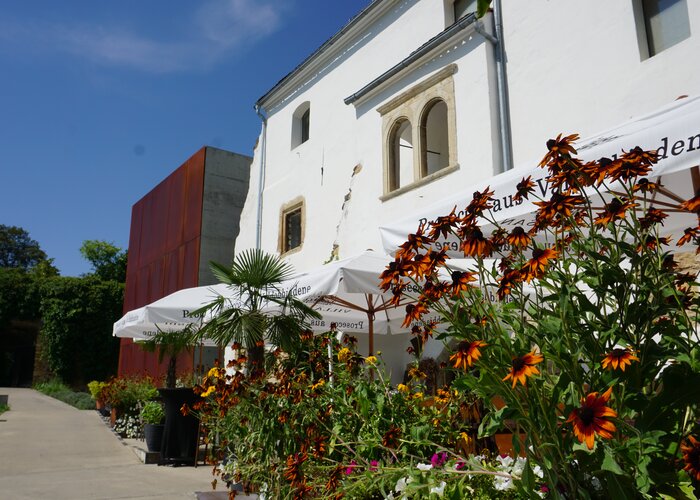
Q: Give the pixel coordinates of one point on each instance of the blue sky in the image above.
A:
(99, 101)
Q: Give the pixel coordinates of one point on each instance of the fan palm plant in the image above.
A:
(258, 310)
(171, 344)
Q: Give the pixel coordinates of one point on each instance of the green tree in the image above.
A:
(171, 344)
(259, 309)
(17, 249)
(108, 261)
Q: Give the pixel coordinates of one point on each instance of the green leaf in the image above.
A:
(482, 7)
(610, 465)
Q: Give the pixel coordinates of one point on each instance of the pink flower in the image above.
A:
(373, 465)
(350, 467)
(459, 465)
(438, 459)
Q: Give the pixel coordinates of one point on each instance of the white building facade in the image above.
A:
(408, 104)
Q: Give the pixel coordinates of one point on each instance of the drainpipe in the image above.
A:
(261, 181)
(502, 82)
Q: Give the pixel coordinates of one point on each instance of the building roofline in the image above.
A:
(328, 44)
(426, 48)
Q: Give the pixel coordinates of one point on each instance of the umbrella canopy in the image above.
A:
(674, 131)
(347, 293)
(171, 313)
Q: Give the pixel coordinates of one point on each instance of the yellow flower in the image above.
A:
(402, 388)
(209, 391)
(344, 354)
(318, 384)
(214, 372)
(371, 360)
(418, 395)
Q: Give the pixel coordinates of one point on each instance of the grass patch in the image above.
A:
(4, 408)
(58, 390)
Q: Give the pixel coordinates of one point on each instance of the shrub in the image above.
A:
(58, 390)
(126, 393)
(152, 413)
(96, 389)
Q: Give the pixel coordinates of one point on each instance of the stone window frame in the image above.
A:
(645, 44)
(285, 210)
(411, 105)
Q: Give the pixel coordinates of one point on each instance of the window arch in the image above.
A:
(300, 124)
(400, 154)
(435, 142)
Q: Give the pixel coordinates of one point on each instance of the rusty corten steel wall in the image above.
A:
(164, 246)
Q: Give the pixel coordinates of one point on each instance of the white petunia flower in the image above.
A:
(503, 483)
(401, 484)
(439, 490)
(537, 471)
(424, 467)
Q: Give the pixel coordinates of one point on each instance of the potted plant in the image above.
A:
(180, 432)
(152, 417)
(96, 389)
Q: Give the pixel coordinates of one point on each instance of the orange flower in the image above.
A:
(461, 280)
(689, 234)
(552, 211)
(651, 242)
(535, 267)
(391, 437)
(481, 200)
(691, 457)
(413, 242)
(518, 238)
(645, 186)
(414, 312)
(691, 205)
(467, 353)
(619, 358)
(292, 472)
(591, 418)
(442, 226)
(510, 278)
(559, 146)
(614, 210)
(474, 244)
(524, 188)
(523, 367)
(653, 216)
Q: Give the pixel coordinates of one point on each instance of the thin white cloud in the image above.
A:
(219, 28)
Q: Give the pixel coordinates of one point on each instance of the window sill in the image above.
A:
(420, 182)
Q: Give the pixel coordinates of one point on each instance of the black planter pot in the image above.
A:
(153, 434)
(180, 433)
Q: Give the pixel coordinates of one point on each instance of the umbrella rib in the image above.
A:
(332, 299)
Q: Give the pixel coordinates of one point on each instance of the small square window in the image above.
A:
(665, 23)
(292, 229)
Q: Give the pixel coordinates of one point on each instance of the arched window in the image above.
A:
(435, 147)
(301, 124)
(401, 154)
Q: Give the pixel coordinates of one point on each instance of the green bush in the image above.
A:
(58, 390)
(125, 393)
(4, 408)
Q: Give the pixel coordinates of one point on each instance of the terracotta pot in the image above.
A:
(113, 417)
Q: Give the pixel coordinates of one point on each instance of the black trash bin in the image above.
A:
(180, 434)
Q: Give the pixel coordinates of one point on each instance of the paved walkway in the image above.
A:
(49, 449)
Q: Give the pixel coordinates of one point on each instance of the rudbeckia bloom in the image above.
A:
(467, 353)
(689, 234)
(391, 437)
(444, 225)
(559, 146)
(691, 457)
(518, 238)
(461, 280)
(505, 284)
(619, 358)
(614, 210)
(474, 244)
(534, 268)
(524, 188)
(692, 205)
(414, 312)
(523, 367)
(591, 418)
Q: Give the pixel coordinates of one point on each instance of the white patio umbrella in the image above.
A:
(674, 131)
(347, 293)
(170, 313)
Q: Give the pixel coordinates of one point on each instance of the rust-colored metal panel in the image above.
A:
(163, 252)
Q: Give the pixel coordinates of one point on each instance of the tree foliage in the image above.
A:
(108, 261)
(17, 249)
(77, 315)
